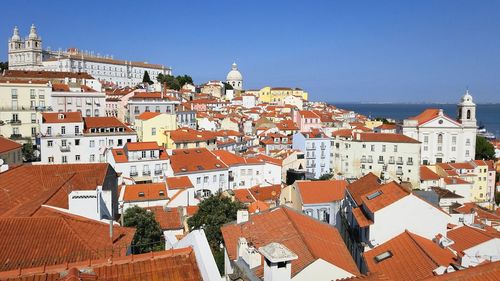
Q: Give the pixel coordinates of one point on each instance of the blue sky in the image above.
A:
(340, 51)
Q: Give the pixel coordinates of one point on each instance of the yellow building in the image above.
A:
(21, 105)
(150, 126)
(277, 95)
(372, 123)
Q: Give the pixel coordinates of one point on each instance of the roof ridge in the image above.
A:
(285, 210)
(410, 234)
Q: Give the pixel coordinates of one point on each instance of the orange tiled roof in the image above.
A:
(7, 145)
(53, 237)
(169, 219)
(46, 74)
(266, 193)
(468, 208)
(426, 115)
(413, 257)
(62, 117)
(427, 174)
(190, 135)
(194, 160)
(390, 193)
(145, 192)
(24, 189)
(308, 238)
(466, 237)
(243, 195)
(60, 87)
(455, 180)
(181, 182)
(153, 95)
(147, 115)
(366, 184)
(169, 265)
(485, 272)
(316, 192)
(258, 206)
(138, 146)
(308, 114)
(361, 218)
(104, 122)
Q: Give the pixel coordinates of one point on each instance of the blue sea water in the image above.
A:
(488, 115)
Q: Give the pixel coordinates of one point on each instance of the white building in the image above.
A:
(395, 156)
(316, 147)
(140, 162)
(444, 139)
(69, 97)
(234, 77)
(27, 54)
(66, 137)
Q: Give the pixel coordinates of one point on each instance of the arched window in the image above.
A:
(440, 139)
(468, 113)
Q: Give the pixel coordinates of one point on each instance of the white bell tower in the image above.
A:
(25, 54)
(467, 111)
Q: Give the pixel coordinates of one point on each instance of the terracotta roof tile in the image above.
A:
(427, 174)
(361, 218)
(195, 160)
(104, 122)
(181, 182)
(169, 219)
(62, 117)
(366, 184)
(484, 272)
(7, 145)
(243, 195)
(413, 257)
(308, 238)
(147, 115)
(316, 192)
(389, 193)
(138, 146)
(266, 193)
(466, 237)
(24, 189)
(386, 137)
(145, 192)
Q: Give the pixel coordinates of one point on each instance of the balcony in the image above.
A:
(370, 160)
(380, 161)
(409, 163)
(399, 172)
(15, 136)
(65, 148)
(157, 172)
(134, 174)
(399, 162)
(146, 173)
(15, 122)
(363, 160)
(392, 161)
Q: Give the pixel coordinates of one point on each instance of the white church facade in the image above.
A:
(27, 54)
(444, 139)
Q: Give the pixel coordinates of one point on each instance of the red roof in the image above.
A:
(147, 115)
(455, 180)
(169, 265)
(169, 219)
(466, 237)
(366, 184)
(316, 192)
(24, 189)
(190, 135)
(35, 74)
(53, 237)
(426, 115)
(104, 122)
(266, 193)
(427, 174)
(194, 160)
(243, 195)
(61, 117)
(308, 238)
(308, 114)
(138, 146)
(7, 145)
(145, 192)
(389, 193)
(483, 272)
(181, 182)
(152, 95)
(413, 257)
(361, 218)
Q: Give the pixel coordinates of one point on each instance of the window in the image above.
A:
(14, 104)
(205, 179)
(214, 178)
(120, 142)
(87, 113)
(33, 117)
(77, 129)
(440, 139)
(372, 147)
(64, 143)
(396, 148)
(198, 180)
(77, 157)
(92, 143)
(32, 94)
(49, 130)
(51, 159)
(454, 140)
(33, 131)
(383, 256)
(143, 154)
(383, 148)
(77, 141)
(50, 143)
(13, 94)
(467, 142)
(92, 157)
(96, 112)
(64, 159)
(153, 131)
(426, 139)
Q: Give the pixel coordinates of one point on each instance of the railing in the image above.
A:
(409, 163)
(370, 160)
(65, 148)
(363, 160)
(381, 161)
(391, 161)
(399, 172)
(15, 122)
(16, 136)
(157, 172)
(399, 162)
(133, 174)
(146, 173)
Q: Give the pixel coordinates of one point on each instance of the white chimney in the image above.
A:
(278, 262)
(241, 216)
(248, 253)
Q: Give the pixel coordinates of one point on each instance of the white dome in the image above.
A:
(33, 34)
(467, 99)
(15, 36)
(234, 74)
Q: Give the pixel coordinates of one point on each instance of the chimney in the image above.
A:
(241, 216)
(278, 262)
(248, 253)
(441, 112)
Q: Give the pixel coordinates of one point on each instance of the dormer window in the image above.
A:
(60, 116)
(141, 194)
(161, 193)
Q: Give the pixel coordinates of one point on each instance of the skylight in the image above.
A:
(383, 256)
(374, 195)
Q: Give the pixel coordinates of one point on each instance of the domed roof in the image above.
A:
(234, 74)
(466, 99)
(15, 36)
(33, 34)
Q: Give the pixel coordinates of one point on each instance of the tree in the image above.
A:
(146, 79)
(484, 149)
(182, 80)
(28, 152)
(227, 86)
(4, 66)
(148, 234)
(169, 80)
(325, 177)
(214, 212)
